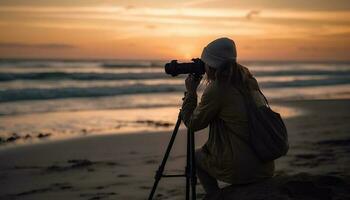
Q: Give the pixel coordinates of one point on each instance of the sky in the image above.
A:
(316, 30)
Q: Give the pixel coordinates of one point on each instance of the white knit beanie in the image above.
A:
(218, 52)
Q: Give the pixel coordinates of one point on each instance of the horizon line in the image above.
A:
(156, 59)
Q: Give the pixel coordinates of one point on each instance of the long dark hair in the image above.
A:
(230, 73)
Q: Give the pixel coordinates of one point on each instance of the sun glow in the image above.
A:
(187, 51)
(162, 30)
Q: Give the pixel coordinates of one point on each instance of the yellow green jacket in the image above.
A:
(228, 156)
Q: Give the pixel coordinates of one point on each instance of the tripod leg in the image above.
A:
(193, 165)
(188, 168)
(160, 170)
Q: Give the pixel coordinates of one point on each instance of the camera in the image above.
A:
(195, 67)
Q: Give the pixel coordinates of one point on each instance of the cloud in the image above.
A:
(252, 13)
(128, 7)
(38, 46)
(197, 2)
(151, 26)
(323, 48)
(190, 13)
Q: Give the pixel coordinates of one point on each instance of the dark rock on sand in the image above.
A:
(112, 164)
(80, 163)
(55, 168)
(154, 123)
(123, 175)
(27, 136)
(44, 135)
(72, 164)
(300, 186)
(13, 138)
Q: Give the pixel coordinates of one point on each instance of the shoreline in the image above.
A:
(123, 166)
(131, 121)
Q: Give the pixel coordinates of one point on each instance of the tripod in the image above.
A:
(190, 169)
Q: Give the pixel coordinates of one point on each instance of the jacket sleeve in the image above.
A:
(198, 117)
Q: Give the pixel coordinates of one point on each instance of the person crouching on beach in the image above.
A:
(226, 156)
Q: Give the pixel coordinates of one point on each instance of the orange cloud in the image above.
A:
(151, 32)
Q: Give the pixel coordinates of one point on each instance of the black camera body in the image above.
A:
(196, 67)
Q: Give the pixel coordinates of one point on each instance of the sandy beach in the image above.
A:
(91, 90)
(123, 166)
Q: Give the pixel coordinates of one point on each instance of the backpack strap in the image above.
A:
(267, 102)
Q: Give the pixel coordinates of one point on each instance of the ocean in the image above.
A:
(43, 99)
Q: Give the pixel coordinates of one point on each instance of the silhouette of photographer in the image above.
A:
(226, 156)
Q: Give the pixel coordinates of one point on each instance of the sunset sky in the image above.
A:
(163, 29)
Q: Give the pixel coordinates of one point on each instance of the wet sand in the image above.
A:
(122, 166)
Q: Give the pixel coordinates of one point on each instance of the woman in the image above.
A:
(226, 156)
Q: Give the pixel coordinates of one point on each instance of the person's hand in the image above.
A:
(192, 83)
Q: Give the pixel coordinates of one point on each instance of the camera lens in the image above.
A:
(174, 68)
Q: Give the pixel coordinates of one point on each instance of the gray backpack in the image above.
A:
(267, 132)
